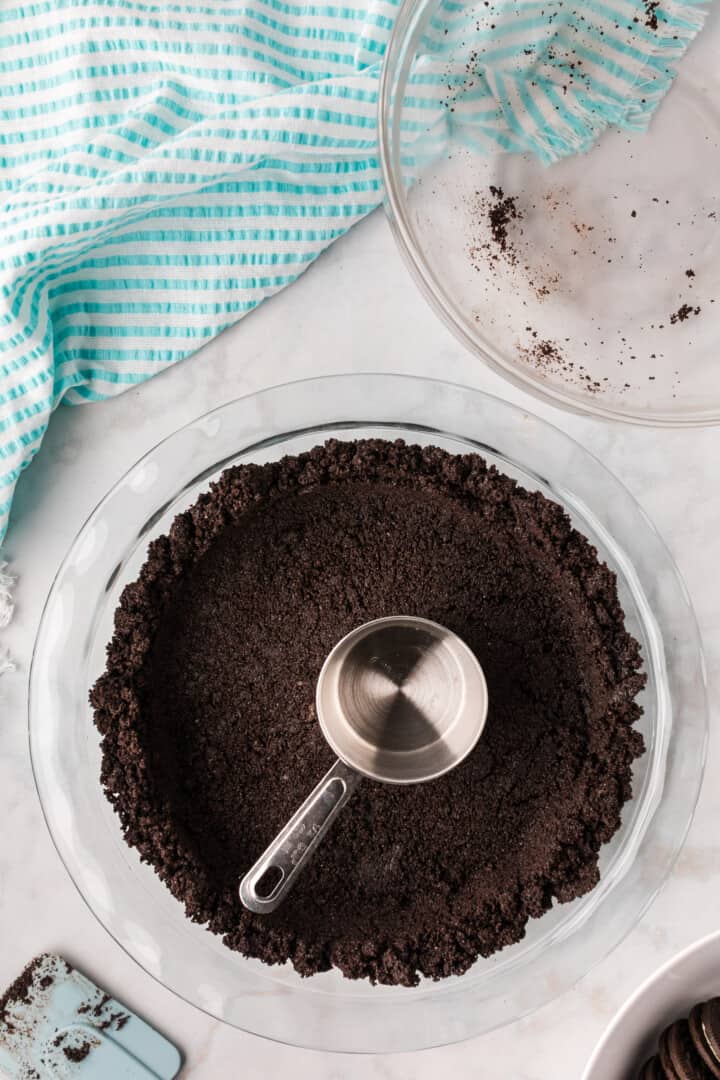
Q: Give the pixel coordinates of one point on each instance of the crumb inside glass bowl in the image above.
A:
(593, 282)
(328, 1011)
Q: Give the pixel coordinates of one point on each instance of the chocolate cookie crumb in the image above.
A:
(544, 353)
(651, 8)
(19, 991)
(97, 1010)
(77, 1053)
(210, 738)
(501, 212)
(494, 215)
(684, 312)
(548, 356)
(116, 1020)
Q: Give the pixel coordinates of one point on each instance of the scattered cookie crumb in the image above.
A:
(651, 9)
(78, 1053)
(684, 312)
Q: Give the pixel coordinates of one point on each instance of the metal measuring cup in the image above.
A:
(400, 699)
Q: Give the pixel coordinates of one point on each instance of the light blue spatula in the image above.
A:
(59, 1026)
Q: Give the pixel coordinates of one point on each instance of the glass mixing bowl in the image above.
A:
(606, 296)
(328, 1011)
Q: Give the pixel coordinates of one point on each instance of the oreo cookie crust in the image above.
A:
(210, 738)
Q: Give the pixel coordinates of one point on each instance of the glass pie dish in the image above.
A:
(327, 1011)
(593, 282)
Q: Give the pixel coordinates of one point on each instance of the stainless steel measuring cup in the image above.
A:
(400, 699)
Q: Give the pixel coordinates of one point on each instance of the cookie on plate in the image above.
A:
(688, 1049)
(704, 1022)
(652, 1070)
(685, 1061)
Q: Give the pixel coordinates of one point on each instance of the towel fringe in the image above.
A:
(7, 608)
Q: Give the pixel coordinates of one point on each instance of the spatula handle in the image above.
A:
(98, 1054)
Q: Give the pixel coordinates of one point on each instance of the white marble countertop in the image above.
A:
(355, 310)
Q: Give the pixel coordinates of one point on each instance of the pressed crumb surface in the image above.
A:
(210, 738)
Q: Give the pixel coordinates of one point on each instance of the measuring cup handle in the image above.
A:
(292, 847)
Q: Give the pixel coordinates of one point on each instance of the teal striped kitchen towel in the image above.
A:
(168, 165)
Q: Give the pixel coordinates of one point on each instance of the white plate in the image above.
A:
(691, 976)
